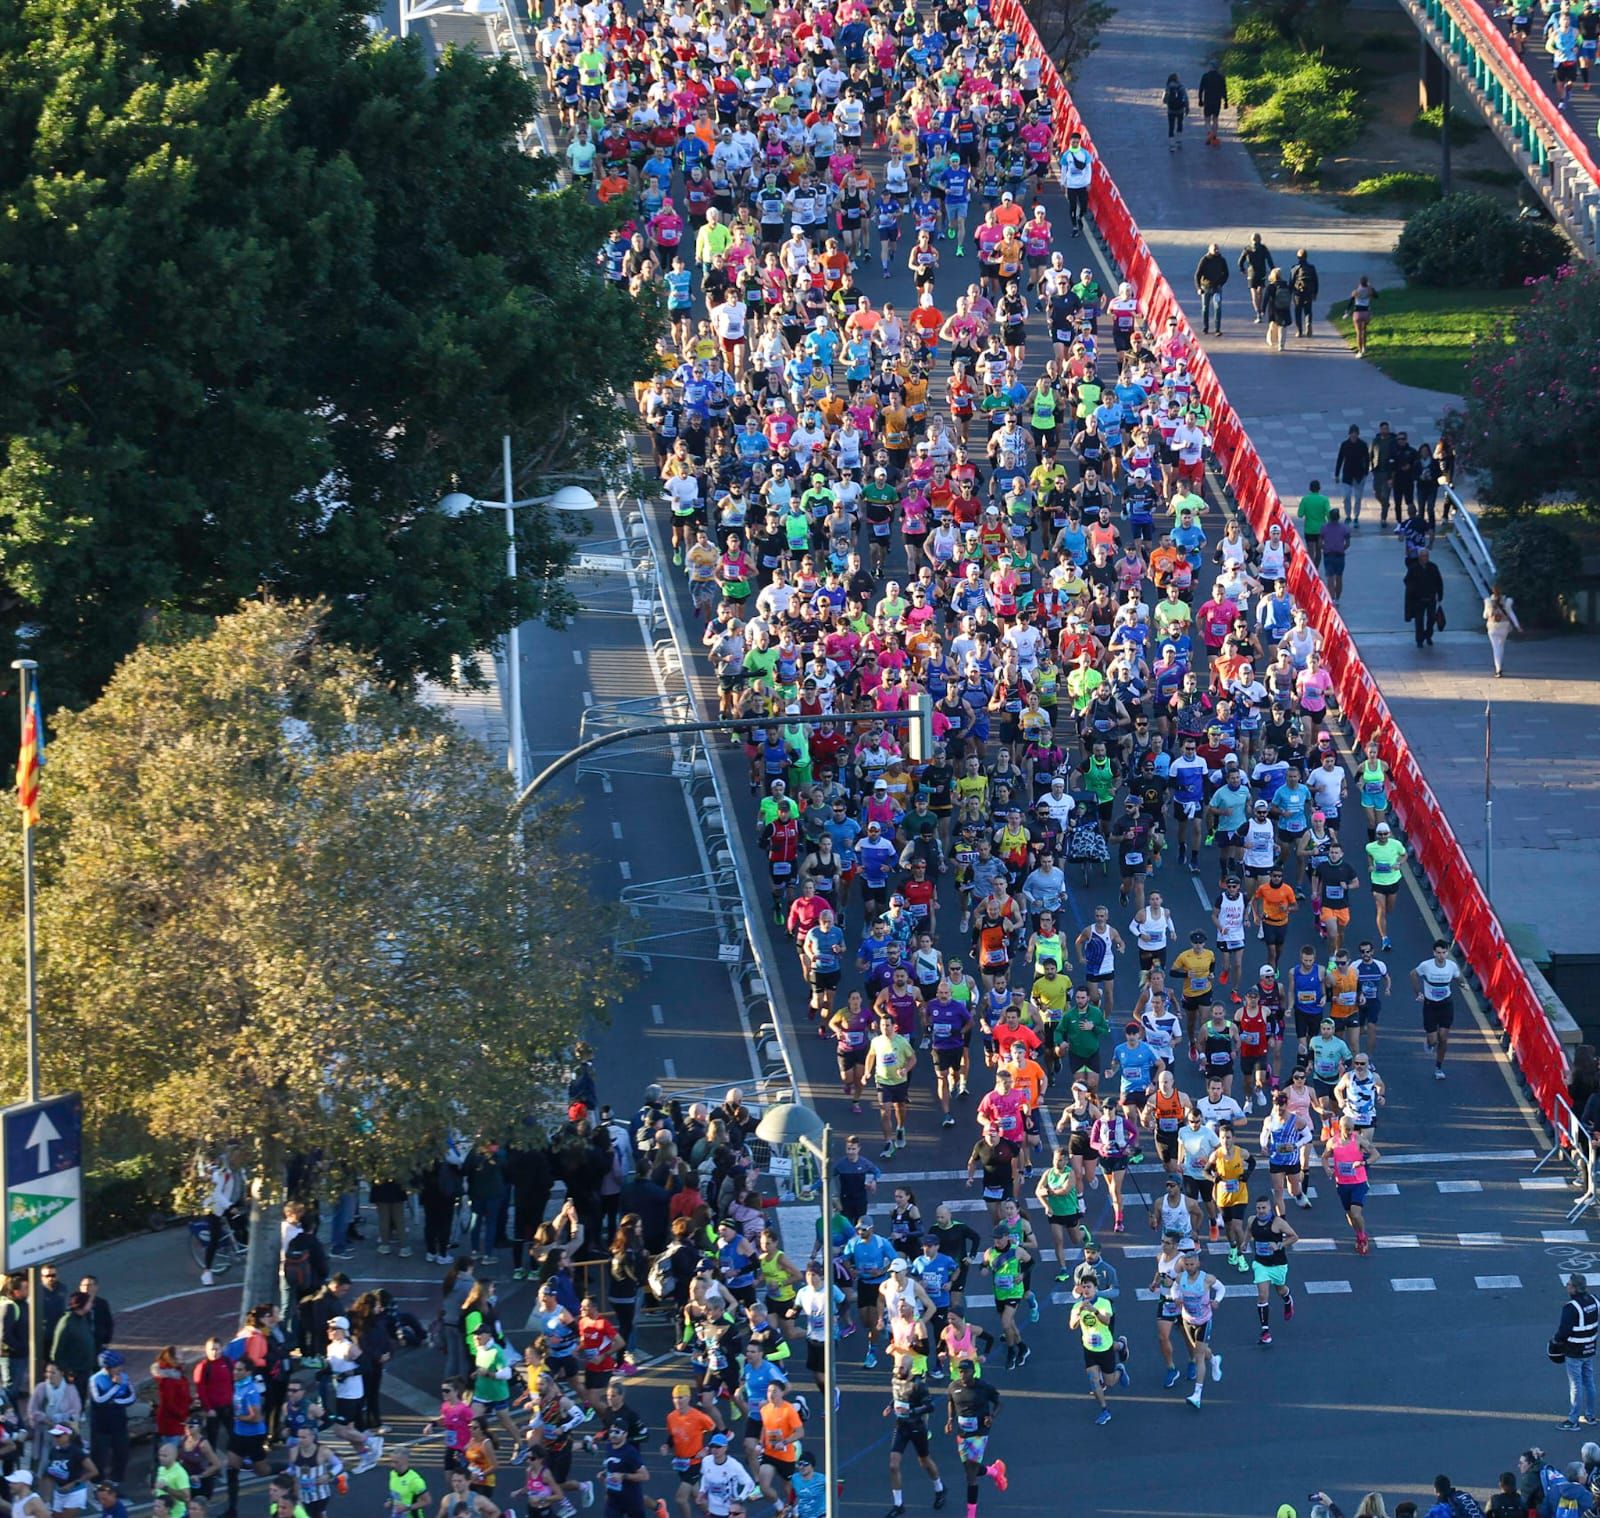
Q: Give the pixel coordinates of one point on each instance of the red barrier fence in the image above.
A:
(1517, 69)
(1432, 843)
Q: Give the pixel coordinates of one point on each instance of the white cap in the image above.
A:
(339, 1322)
(21, 1476)
(898, 1265)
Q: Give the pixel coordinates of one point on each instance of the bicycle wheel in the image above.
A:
(197, 1244)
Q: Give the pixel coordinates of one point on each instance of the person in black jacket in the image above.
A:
(1303, 281)
(1424, 596)
(1575, 1338)
(1210, 275)
(1213, 94)
(1351, 466)
(1256, 263)
(1176, 100)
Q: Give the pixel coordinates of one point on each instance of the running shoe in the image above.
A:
(1124, 1380)
(1064, 1277)
(938, 1373)
(1216, 1367)
(1033, 1308)
(586, 1493)
(887, 1152)
(1216, 1232)
(1171, 1378)
(1569, 1425)
(1024, 1354)
(1118, 1226)
(521, 1455)
(949, 1120)
(939, 1498)
(1386, 945)
(871, 1362)
(1011, 1357)
(1193, 1399)
(1266, 1336)
(1288, 1309)
(1103, 1417)
(1193, 1369)
(897, 1511)
(997, 1473)
(1438, 1073)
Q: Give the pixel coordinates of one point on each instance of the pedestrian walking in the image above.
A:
(1278, 303)
(1573, 1345)
(1424, 597)
(1351, 466)
(1381, 457)
(1499, 619)
(1255, 263)
(1213, 93)
(1305, 283)
(1176, 100)
(1360, 309)
(1210, 275)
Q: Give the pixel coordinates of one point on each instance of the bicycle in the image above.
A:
(234, 1244)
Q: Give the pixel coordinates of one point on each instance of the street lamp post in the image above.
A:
(567, 498)
(787, 1124)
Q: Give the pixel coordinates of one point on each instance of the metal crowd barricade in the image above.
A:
(661, 758)
(1572, 1141)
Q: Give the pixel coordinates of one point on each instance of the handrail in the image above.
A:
(1469, 541)
(1546, 110)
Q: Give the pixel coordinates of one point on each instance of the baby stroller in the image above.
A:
(1086, 844)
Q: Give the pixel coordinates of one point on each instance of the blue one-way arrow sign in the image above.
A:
(41, 1144)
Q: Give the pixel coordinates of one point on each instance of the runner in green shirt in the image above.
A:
(1313, 515)
(1385, 851)
(408, 1492)
(1005, 1263)
(890, 1061)
(1058, 1195)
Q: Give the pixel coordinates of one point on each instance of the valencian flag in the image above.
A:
(30, 760)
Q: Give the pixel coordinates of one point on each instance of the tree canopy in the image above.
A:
(1533, 399)
(280, 902)
(270, 288)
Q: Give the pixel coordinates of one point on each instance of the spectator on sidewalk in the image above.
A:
(1381, 455)
(1424, 597)
(72, 1346)
(1213, 94)
(15, 1321)
(1277, 300)
(1210, 275)
(55, 1402)
(101, 1317)
(1255, 263)
(1176, 99)
(212, 1375)
(1303, 280)
(1499, 618)
(1351, 466)
(111, 1394)
(389, 1198)
(173, 1398)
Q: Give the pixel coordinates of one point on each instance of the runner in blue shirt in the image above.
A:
(1134, 1062)
(868, 1255)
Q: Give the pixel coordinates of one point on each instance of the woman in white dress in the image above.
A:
(1499, 618)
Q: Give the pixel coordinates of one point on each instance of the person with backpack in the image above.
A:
(1574, 1343)
(1452, 1501)
(1176, 100)
(1277, 301)
(302, 1263)
(1255, 263)
(1305, 282)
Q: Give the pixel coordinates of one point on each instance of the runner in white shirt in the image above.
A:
(1434, 982)
(723, 1480)
(1216, 1108)
(1153, 929)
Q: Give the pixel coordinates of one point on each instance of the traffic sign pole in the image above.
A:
(26, 668)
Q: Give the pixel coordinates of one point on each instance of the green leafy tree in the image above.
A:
(1533, 398)
(271, 286)
(279, 902)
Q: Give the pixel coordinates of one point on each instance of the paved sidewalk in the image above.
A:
(1297, 406)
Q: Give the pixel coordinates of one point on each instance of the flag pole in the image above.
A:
(26, 669)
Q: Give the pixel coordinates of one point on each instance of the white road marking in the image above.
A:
(1326, 1288)
(1383, 1188)
(577, 656)
(1499, 1283)
(1146, 1296)
(657, 1016)
(1397, 1241)
(1480, 1240)
(1315, 1246)
(1564, 1235)
(1542, 1183)
(1450, 1188)
(626, 868)
(1412, 1283)
(616, 831)
(1200, 891)
(588, 698)
(1460, 1157)
(670, 1067)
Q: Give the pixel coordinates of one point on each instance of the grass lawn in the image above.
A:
(1423, 337)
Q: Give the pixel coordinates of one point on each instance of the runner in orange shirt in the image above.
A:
(1008, 213)
(928, 319)
(781, 1427)
(1270, 907)
(688, 1429)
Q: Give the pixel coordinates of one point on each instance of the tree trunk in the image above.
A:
(261, 1267)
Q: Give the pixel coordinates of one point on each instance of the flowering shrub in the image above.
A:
(1533, 407)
